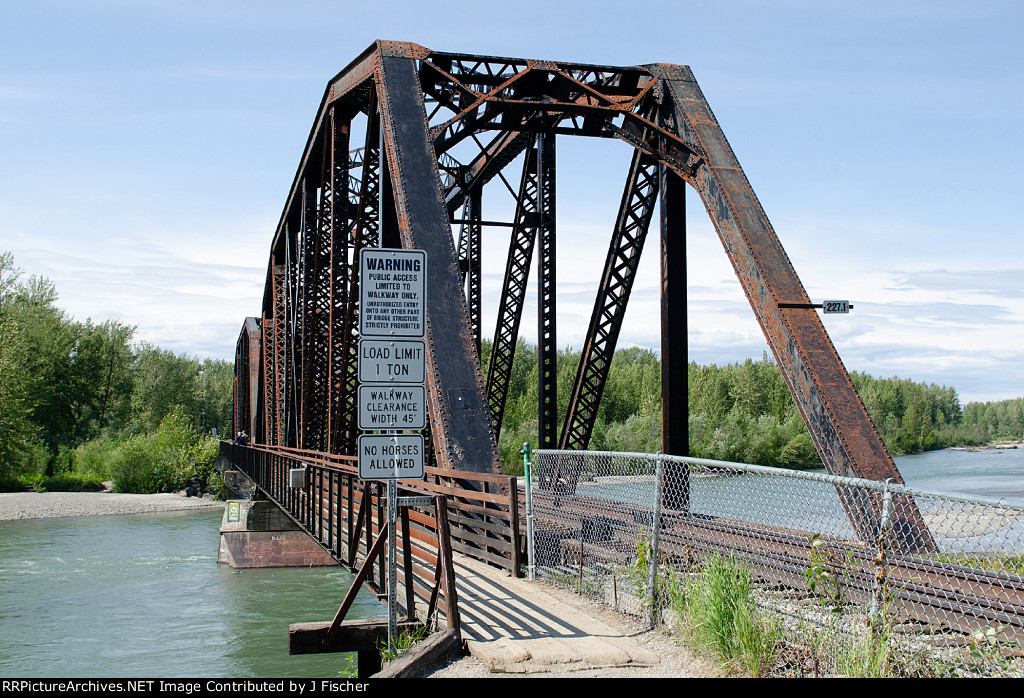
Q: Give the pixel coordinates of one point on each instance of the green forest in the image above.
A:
(82, 403)
(743, 412)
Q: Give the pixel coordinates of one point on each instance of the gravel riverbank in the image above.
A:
(49, 505)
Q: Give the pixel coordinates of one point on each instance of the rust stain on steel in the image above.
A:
(460, 423)
(835, 415)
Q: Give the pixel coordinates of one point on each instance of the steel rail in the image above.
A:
(915, 586)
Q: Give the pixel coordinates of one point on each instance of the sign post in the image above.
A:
(392, 373)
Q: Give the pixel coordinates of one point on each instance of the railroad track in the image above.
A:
(943, 595)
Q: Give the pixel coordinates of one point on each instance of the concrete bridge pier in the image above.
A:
(257, 533)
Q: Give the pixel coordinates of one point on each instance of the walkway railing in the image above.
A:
(324, 495)
(615, 526)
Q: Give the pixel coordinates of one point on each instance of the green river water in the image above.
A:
(143, 596)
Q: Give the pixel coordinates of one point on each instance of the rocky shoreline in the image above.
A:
(991, 446)
(50, 505)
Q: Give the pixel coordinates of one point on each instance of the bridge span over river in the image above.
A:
(403, 146)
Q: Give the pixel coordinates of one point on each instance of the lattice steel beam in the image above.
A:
(627, 244)
(365, 233)
(337, 215)
(315, 319)
(513, 292)
(547, 347)
(279, 307)
(267, 379)
(469, 259)
(246, 408)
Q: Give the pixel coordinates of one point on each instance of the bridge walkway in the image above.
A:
(520, 626)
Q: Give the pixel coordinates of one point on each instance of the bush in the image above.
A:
(95, 457)
(166, 460)
(64, 462)
(203, 468)
(141, 469)
(12, 483)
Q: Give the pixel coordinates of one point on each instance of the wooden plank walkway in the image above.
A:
(520, 626)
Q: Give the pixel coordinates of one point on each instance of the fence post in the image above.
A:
(652, 581)
(531, 561)
(880, 571)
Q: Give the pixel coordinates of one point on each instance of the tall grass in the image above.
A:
(406, 640)
(721, 617)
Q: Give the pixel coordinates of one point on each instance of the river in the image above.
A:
(143, 596)
(991, 474)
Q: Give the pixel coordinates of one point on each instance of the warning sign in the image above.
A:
(392, 292)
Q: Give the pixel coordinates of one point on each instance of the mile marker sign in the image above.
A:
(392, 292)
(836, 306)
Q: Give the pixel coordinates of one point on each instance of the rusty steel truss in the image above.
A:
(402, 147)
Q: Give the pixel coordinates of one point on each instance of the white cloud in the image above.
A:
(881, 139)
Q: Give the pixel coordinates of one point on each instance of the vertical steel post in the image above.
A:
(531, 565)
(884, 526)
(365, 233)
(339, 220)
(674, 359)
(652, 563)
(547, 349)
(513, 292)
(473, 273)
(392, 567)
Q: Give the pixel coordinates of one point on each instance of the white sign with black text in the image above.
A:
(390, 457)
(836, 306)
(392, 292)
(392, 361)
(391, 407)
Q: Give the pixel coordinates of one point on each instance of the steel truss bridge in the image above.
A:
(402, 147)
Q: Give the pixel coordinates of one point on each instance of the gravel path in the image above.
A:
(677, 660)
(48, 505)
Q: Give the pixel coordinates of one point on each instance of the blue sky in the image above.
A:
(146, 149)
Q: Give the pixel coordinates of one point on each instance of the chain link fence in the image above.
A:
(634, 530)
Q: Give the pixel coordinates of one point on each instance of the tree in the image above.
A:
(64, 382)
(163, 381)
(16, 428)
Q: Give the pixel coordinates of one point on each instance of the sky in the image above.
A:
(147, 147)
